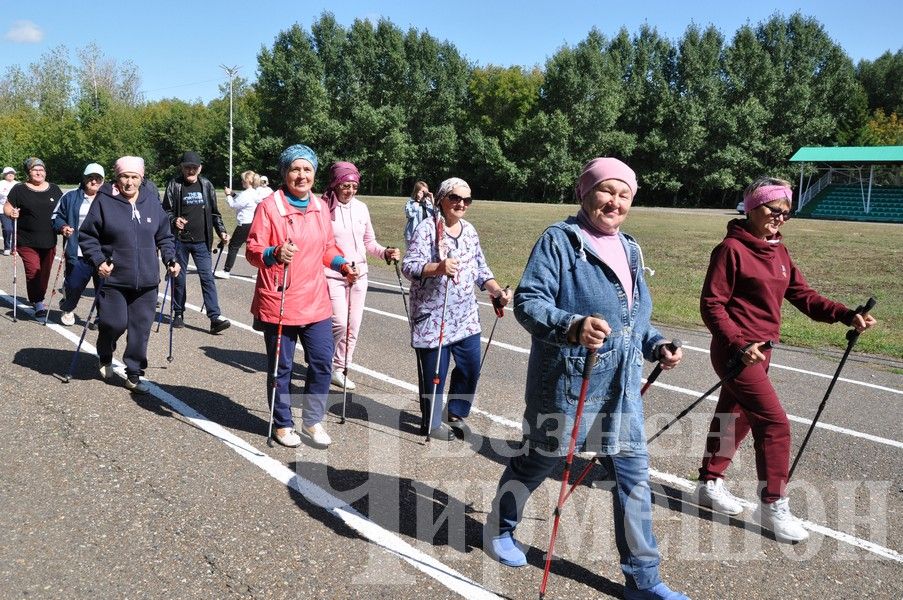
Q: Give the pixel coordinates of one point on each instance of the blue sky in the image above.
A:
(178, 46)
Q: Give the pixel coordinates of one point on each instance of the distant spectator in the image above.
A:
(418, 207)
(244, 204)
(6, 223)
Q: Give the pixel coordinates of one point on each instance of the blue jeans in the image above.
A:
(316, 339)
(201, 254)
(464, 378)
(628, 479)
(7, 225)
(78, 273)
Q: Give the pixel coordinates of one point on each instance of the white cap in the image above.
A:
(94, 169)
(8, 170)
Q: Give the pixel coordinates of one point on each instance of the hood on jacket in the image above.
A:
(737, 230)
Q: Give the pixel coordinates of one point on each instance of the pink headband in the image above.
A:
(130, 164)
(600, 169)
(765, 194)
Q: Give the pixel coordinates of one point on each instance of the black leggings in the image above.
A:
(239, 237)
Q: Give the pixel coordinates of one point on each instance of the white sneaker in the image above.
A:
(222, 274)
(316, 435)
(776, 517)
(68, 318)
(135, 384)
(338, 379)
(6, 253)
(106, 371)
(191, 268)
(289, 440)
(714, 495)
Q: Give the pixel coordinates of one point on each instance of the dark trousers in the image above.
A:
(749, 403)
(201, 255)
(78, 273)
(316, 339)
(464, 378)
(38, 263)
(120, 310)
(239, 237)
(7, 225)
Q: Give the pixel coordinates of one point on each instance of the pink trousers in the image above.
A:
(339, 295)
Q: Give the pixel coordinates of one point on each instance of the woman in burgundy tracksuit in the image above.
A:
(749, 275)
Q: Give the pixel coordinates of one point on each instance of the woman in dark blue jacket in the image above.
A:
(127, 225)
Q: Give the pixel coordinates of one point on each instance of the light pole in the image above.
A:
(231, 72)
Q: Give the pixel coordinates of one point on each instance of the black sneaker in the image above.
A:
(458, 427)
(219, 324)
(92, 325)
(177, 321)
(443, 432)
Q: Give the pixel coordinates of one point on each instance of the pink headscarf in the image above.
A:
(129, 164)
(600, 169)
(339, 173)
(766, 193)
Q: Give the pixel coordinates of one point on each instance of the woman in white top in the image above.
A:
(244, 204)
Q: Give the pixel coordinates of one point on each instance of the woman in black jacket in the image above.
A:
(125, 227)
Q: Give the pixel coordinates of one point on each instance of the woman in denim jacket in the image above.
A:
(581, 267)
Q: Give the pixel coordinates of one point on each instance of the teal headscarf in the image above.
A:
(293, 153)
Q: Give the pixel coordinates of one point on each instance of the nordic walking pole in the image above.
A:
(673, 345)
(429, 424)
(171, 298)
(219, 252)
(278, 350)
(499, 313)
(852, 338)
(163, 303)
(733, 370)
(56, 281)
(85, 329)
(588, 364)
(15, 267)
(347, 339)
(401, 287)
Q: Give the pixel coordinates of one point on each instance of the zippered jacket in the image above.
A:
(172, 201)
(128, 234)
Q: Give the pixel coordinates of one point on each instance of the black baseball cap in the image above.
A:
(190, 158)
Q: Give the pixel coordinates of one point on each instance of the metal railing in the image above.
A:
(814, 189)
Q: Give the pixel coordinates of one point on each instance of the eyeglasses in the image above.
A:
(777, 212)
(349, 185)
(455, 198)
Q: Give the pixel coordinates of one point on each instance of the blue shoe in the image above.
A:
(506, 550)
(659, 591)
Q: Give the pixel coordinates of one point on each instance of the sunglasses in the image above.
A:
(455, 198)
(777, 212)
(349, 185)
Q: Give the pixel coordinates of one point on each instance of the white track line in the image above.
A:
(368, 530)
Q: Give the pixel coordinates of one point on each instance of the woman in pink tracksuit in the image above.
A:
(354, 235)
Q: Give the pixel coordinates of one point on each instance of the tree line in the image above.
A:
(697, 117)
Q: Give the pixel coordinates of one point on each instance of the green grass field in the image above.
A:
(846, 261)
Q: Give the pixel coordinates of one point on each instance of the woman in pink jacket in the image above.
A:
(290, 242)
(354, 235)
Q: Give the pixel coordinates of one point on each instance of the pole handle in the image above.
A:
(591, 356)
(497, 303)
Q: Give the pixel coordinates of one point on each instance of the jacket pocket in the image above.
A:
(600, 378)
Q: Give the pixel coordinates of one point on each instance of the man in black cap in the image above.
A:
(190, 201)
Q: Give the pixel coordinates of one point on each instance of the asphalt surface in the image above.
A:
(177, 495)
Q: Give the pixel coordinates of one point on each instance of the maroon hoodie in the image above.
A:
(747, 280)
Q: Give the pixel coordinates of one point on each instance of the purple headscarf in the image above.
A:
(339, 173)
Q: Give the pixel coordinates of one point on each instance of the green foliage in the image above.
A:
(697, 118)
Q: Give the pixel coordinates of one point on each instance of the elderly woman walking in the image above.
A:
(127, 225)
(445, 262)
(583, 292)
(750, 275)
(290, 242)
(354, 235)
(32, 204)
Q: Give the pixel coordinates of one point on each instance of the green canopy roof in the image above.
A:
(850, 154)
